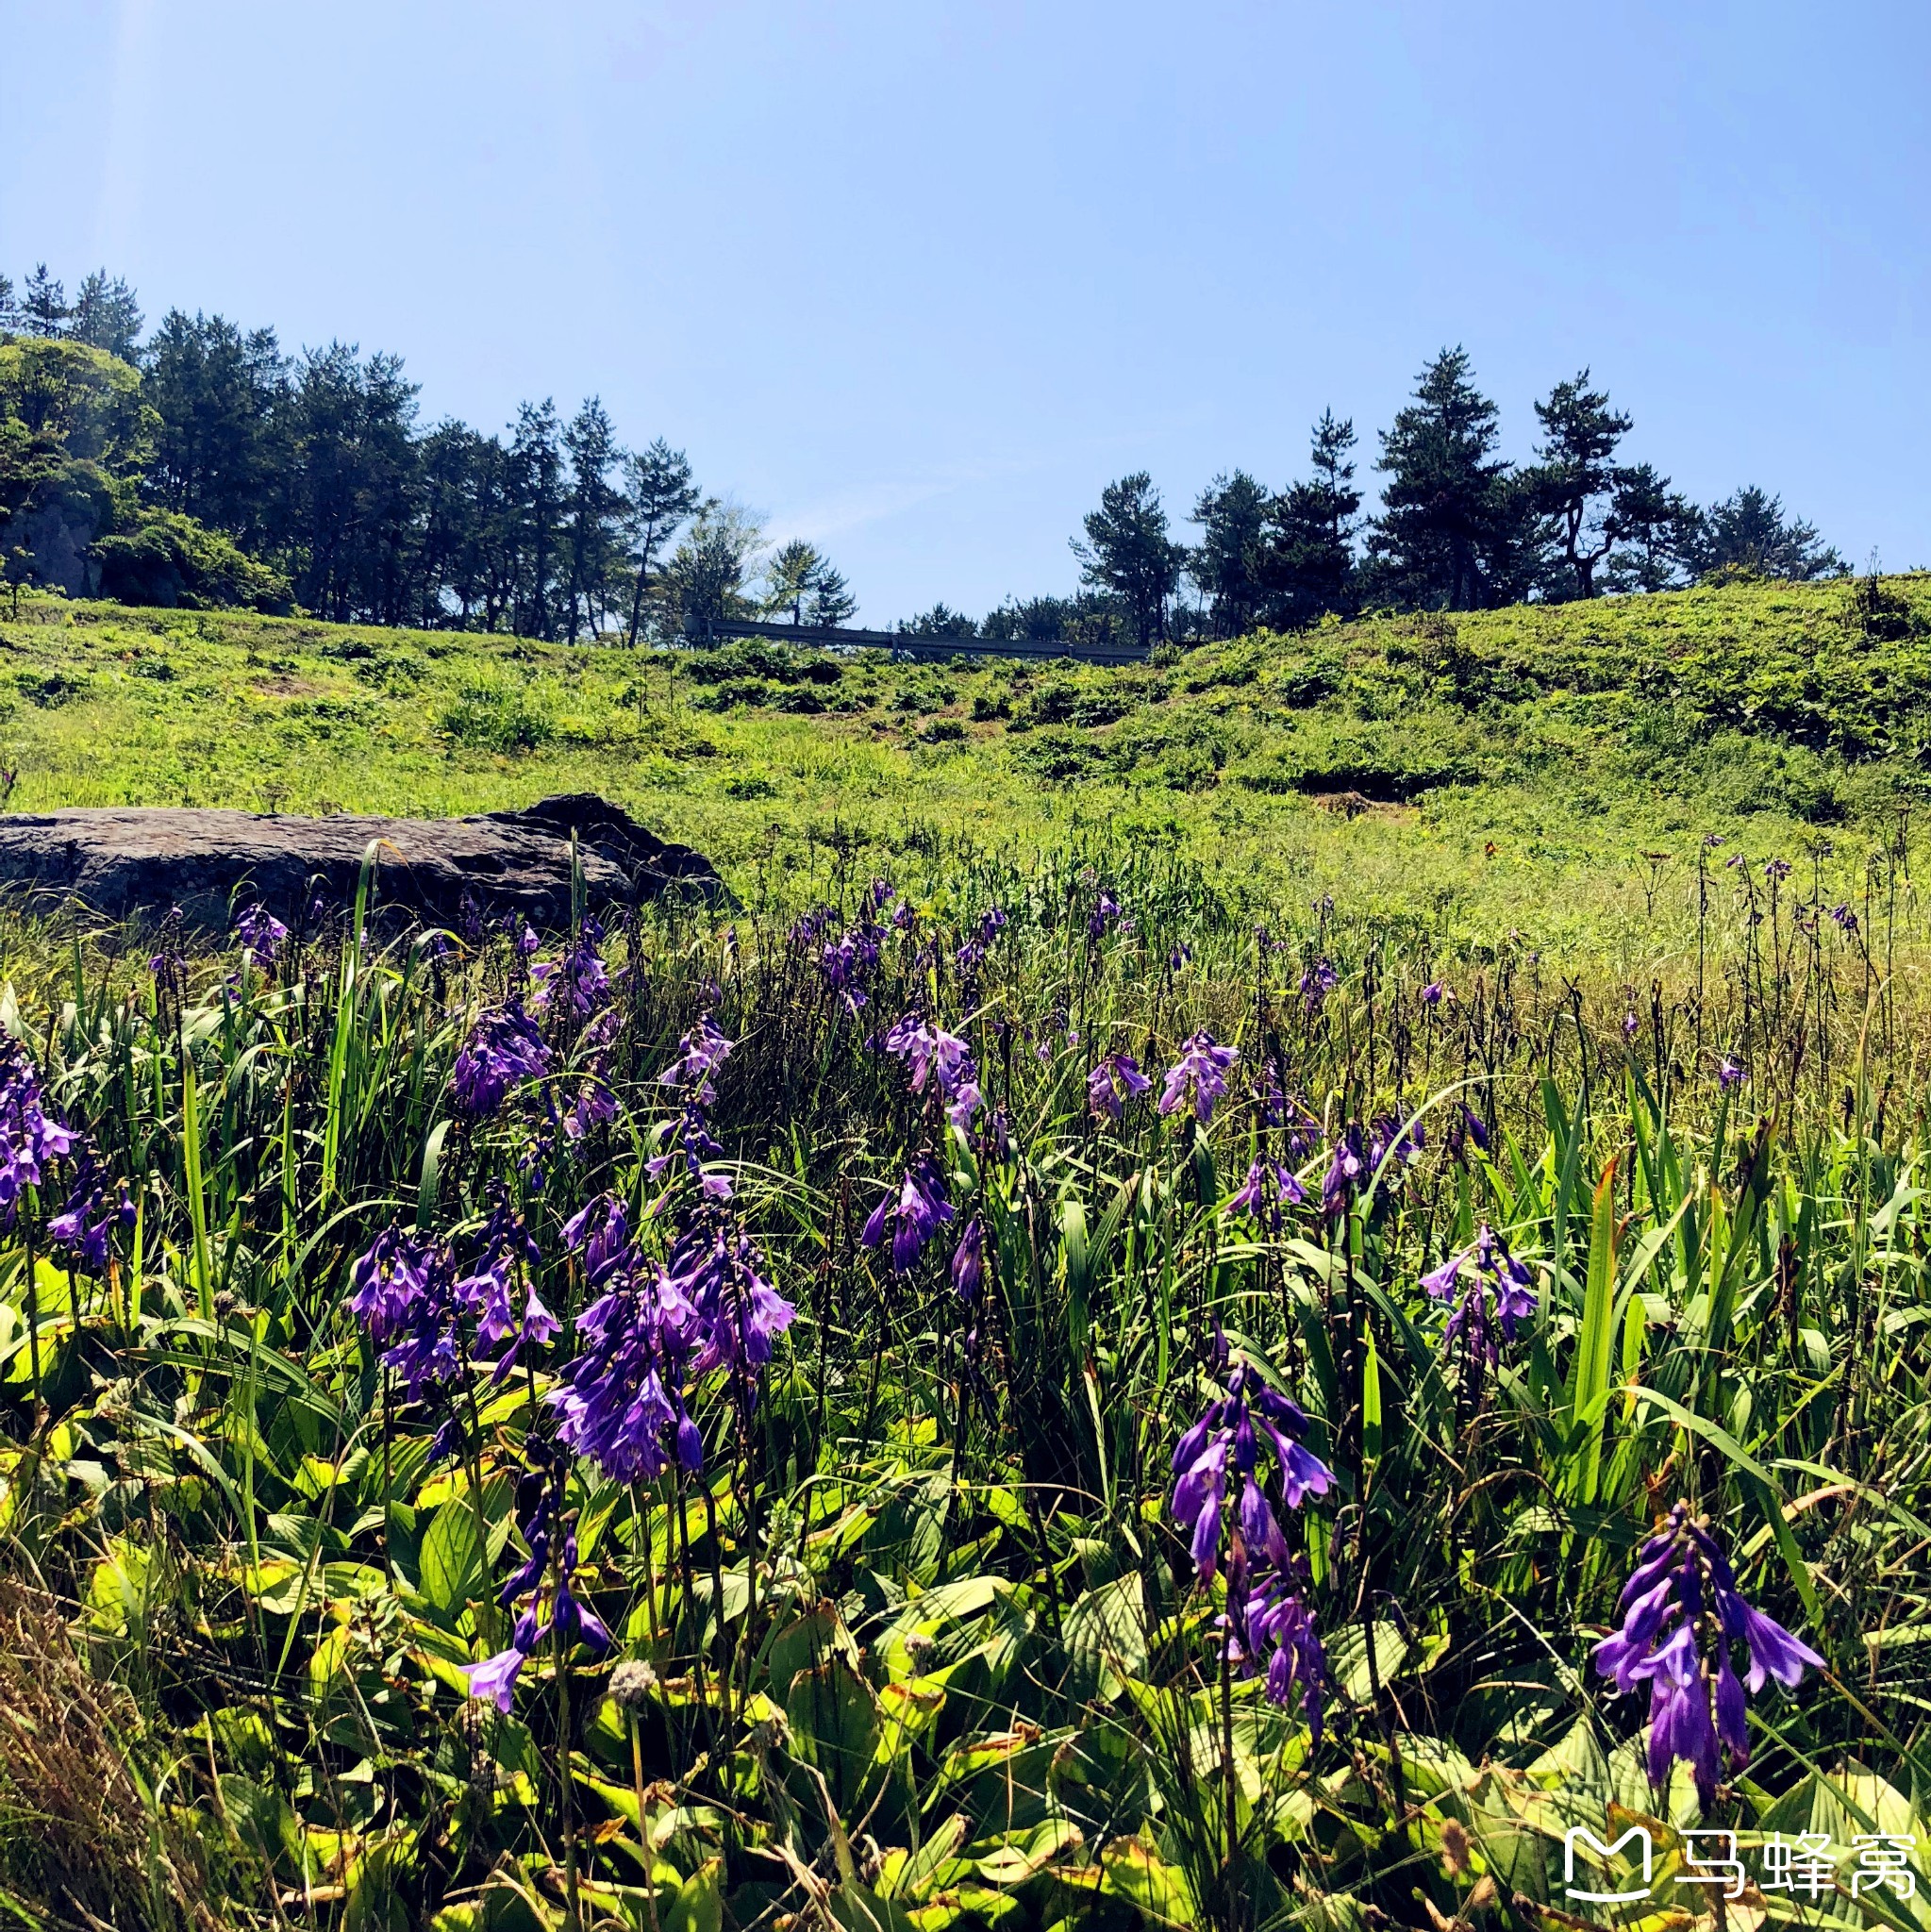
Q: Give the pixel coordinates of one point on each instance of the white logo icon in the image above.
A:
(1583, 1836)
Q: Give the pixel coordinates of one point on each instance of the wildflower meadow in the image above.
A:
(958, 1393)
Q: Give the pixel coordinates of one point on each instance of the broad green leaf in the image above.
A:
(450, 1559)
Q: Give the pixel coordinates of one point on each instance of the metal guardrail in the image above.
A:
(725, 629)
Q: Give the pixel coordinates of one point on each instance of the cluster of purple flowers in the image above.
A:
(1272, 1620)
(539, 1497)
(1114, 1085)
(1345, 1168)
(504, 1048)
(79, 1233)
(1682, 1614)
(1385, 1147)
(1486, 1285)
(656, 1328)
(416, 1301)
(932, 1054)
(1318, 981)
(1395, 1141)
(700, 1054)
(577, 981)
(1198, 1077)
(847, 963)
(1105, 915)
(1226, 1442)
(32, 1141)
(1467, 1126)
(1268, 1188)
(912, 1216)
(621, 1399)
(261, 935)
(1266, 1614)
(971, 955)
(969, 1260)
(488, 1288)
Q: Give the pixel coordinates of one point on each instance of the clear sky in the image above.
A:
(916, 280)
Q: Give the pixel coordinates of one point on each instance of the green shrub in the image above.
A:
(488, 714)
(175, 562)
(759, 657)
(1093, 708)
(1052, 704)
(1061, 755)
(50, 688)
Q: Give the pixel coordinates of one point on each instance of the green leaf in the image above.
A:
(1347, 1658)
(452, 1561)
(699, 1906)
(432, 1166)
(835, 1722)
(1106, 1637)
(1588, 1380)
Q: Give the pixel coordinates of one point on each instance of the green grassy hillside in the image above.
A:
(1485, 772)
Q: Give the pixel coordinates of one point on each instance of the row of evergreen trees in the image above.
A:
(1459, 528)
(204, 463)
(317, 467)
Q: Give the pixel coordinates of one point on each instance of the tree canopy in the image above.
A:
(157, 466)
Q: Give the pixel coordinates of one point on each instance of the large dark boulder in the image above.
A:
(122, 861)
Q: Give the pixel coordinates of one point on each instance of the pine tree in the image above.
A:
(943, 621)
(221, 397)
(659, 496)
(594, 505)
(832, 602)
(799, 580)
(706, 574)
(1304, 563)
(1749, 535)
(349, 474)
(1453, 533)
(1128, 552)
(789, 580)
(106, 316)
(1653, 525)
(1574, 487)
(43, 304)
(536, 470)
(1231, 511)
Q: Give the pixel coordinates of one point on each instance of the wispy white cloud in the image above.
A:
(861, 504)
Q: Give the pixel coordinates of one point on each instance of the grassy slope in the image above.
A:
(1570, 738)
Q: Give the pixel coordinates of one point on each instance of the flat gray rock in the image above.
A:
(124, 860)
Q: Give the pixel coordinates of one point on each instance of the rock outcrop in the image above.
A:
(127, 860)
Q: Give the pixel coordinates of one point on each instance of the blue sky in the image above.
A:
(916, 280)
